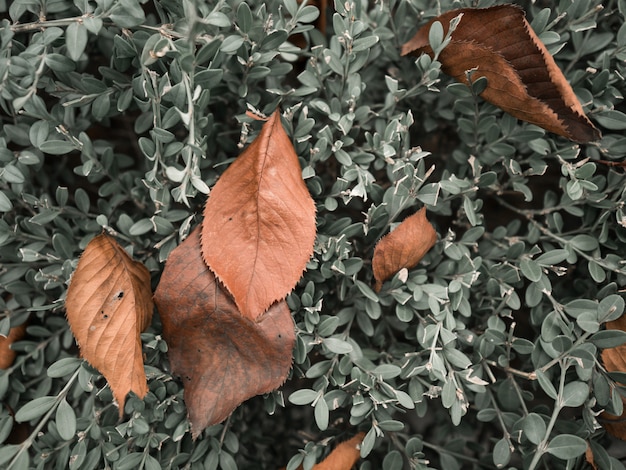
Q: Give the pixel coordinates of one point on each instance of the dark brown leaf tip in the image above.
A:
(523, 78)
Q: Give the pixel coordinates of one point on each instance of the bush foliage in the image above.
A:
(120, 115)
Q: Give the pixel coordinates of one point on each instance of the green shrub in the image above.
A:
(120, 115)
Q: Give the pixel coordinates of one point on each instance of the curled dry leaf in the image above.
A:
(223, 358)
(404, 247)
(523, 78)
(259, 222)
(109, 304)
(614, 360)
(7, 355)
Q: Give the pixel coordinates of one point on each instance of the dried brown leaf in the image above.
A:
(589, 458)
(7, 355)
(223, 357)
(109, 304)
(343, 457)
(404, 247)
(523, 78)
(614, 360)
(259, 222)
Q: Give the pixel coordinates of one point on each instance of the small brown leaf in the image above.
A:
(259, 222)
(344, 456)
(589, 457)
(223, 357)
(523, 78)
(109, 304)
(404, 247)
(614, 360)
(7, 355)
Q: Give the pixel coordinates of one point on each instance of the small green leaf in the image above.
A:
(5, 203)
(303, 396)
(66, 420)
(393, 461)
(501, 453)
(567, 446)
(368, 442)
(584, 242)
(76, 40)
(63, 367)
(307, 14)
(59, 63)
(227, 462)
(575, 394)
(546, 385)
(534, 428)
(530, 269)
(596, 271)
(7, 452)
(12, 174)
(552, 257)
(321, 414)
(141, 227)
(244, 17)
(338, 346)
(610, 308)
(588, 321)
(57, 147)
(435, 35)
(612, 119)
(35, 409)
(608, 338)
(219, 19)
(231, 44)
(391, 425)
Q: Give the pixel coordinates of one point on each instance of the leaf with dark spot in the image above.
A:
(109, 304)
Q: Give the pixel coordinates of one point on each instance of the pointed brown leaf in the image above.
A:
(222, 357)
(404, 247)
(7, 355)
(523, 78)
(344, 456)
(109, 303)
(614, 360)
(259, 222)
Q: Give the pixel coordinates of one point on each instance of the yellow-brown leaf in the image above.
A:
(259, 222)
(404, 247)
(109, 303)
(523, 78)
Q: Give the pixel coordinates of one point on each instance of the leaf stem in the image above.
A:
(457, 455)
(558, 405)
(29, 441)
(561, 240)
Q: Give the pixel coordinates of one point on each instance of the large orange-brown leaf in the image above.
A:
(7, 355)
(259, 222)
(614, 360)
(523, 78)
(222, 357)
(404, 247)
(108, 304)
